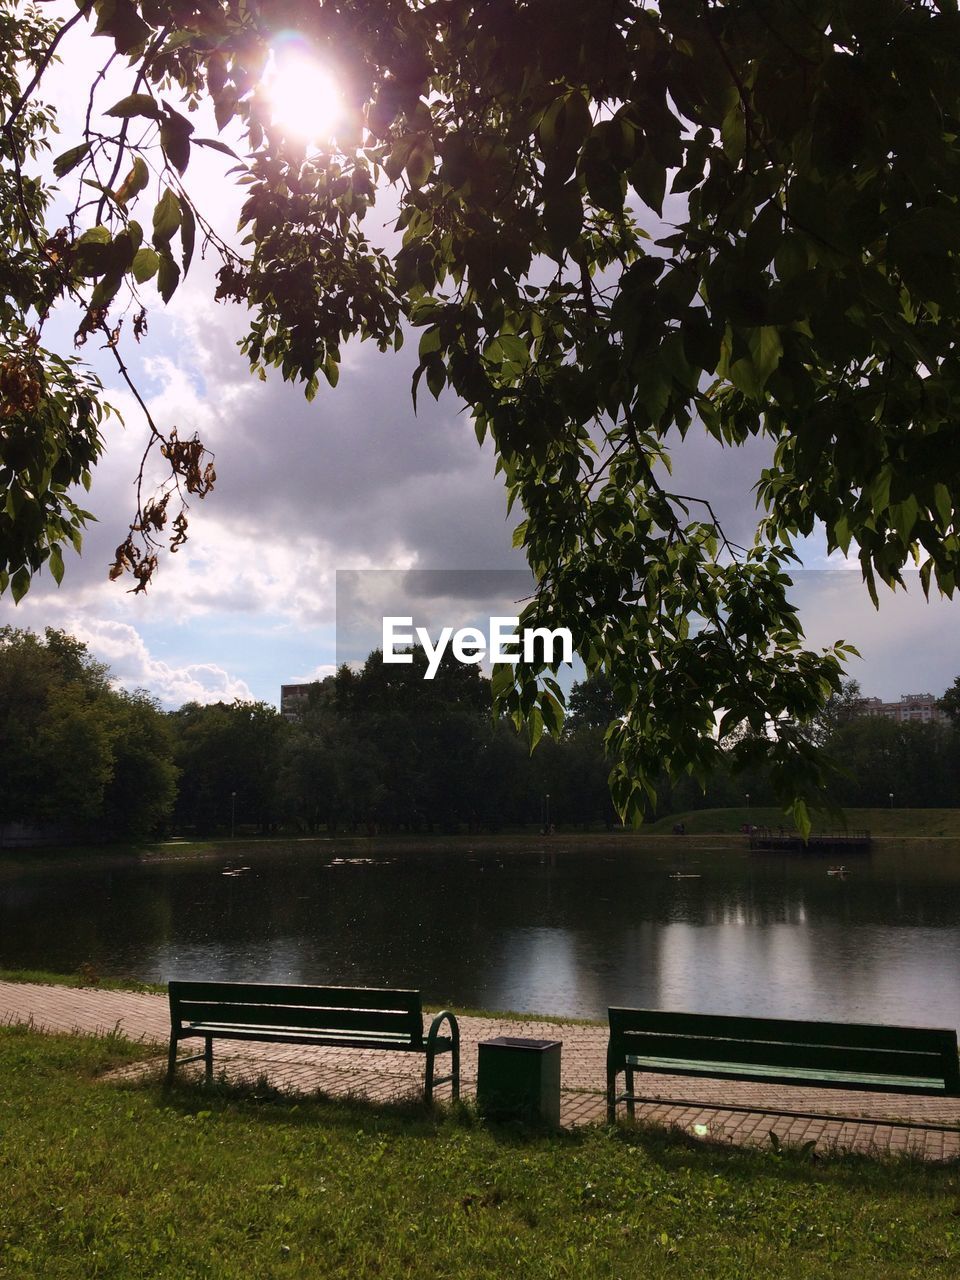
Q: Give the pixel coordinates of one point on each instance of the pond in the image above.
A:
(559, 926)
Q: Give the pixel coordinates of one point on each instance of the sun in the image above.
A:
(303, 95)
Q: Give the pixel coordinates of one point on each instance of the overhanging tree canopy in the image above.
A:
(805, 290)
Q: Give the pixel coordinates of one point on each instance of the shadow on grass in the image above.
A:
(676, 1150)
(279, 1107)
(673, 1149)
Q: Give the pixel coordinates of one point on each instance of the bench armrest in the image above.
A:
(433, 1036)
(436, 1024)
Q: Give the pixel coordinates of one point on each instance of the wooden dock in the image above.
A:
(765, 840)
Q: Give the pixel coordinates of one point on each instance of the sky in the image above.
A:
(354, 481)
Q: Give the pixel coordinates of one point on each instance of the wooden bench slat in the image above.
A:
(800, 1053)
(778, 1074)
(309, 1018)
(327, 1039)
(851, 1034)
(259, 993)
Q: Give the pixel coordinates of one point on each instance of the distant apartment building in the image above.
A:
(913, 708)
(293, 699)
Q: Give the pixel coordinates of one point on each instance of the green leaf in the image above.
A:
(121, 20)
(95, 235)
(145, 264)
(134, 182)
(216, 145)
(429, 341)
(733, 132)
(765, 350)
(136, 104)
(107, 289)
(420, 159)
(20, 584)
(535, 727)
(175, 131)
(436, 377)
(188, 234)
(514, 348)
(943, 504)
(70, 159)
(56, 563)
(166, 218)
(801, 817)
(648, 177)
(168, 276)
(563, 218)
(331, 370)
(878, 489)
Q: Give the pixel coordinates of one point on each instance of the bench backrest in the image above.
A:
(912, 1053)
(381, 1014)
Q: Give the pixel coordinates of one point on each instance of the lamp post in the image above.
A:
(547, 822)
(891, 799)
(233, 813)
(748, 799)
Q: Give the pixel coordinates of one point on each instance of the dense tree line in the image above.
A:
(382, 749)
(77, 756)
(377, 749)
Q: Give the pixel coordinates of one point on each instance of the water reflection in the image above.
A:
(559, 929)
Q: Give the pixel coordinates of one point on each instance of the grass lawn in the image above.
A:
(122, 1181)
(84, 978)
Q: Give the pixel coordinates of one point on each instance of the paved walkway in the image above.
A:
(383, 1077)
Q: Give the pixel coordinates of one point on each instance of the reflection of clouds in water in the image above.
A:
(277, 960)
(765, 972)
(541, 970)
(912, 973)
(820, 972)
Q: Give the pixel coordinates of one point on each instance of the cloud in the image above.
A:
(132, 666)
(908, 645)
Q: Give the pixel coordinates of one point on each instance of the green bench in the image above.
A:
(831, 1055)
(339, 1017)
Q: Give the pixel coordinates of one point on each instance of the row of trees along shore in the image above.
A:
(375, 749)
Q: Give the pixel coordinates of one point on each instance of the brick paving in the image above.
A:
(700, 1106)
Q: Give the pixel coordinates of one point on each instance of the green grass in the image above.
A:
(128, 1180)
(879, 822)
(85, 978)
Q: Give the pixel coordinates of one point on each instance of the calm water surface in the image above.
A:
(557, 927)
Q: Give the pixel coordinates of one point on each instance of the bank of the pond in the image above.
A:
(103, 1179)
(723, 828)
(893, 823)
(18, 861)
(90, 980)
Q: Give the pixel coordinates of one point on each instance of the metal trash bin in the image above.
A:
(519, 1079)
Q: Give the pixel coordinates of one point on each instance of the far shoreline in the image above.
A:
(706, 829)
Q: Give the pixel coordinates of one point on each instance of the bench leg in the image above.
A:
(208, 1059)
(611, 1096)
(631, 1107)
(455, 1068)
(171, 1060)
(428, 1080)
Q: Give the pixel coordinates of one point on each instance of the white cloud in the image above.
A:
(908, 645)
(132, 666)
(319, 672)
